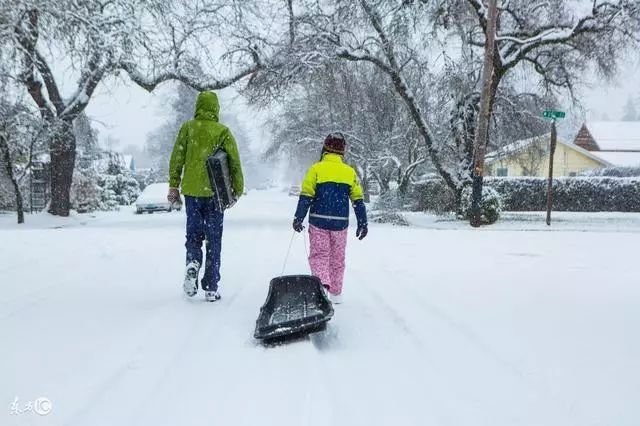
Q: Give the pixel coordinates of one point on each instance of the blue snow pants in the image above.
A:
(204, 221)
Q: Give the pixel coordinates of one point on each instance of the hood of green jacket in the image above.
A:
(207, 106)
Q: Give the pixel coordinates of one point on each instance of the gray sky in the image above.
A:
(610, 99)
(125, 112)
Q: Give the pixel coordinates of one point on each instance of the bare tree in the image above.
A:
(532, 157)
(357, 101)
(20, 143)
(150, 41)
(484, 119)
(211, 44)
(549, 42)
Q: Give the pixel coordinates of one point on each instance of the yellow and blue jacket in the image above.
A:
(326, 191)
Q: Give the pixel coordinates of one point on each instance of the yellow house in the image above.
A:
(530, 157)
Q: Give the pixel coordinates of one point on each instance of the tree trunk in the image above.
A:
(405, 180)
(19, 201)
(365, 185)
(63, 158)
(382, 183)
(484, 117)
(403, 186)
(16, 186)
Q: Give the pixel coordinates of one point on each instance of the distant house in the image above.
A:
(530, 157)
(617, 142)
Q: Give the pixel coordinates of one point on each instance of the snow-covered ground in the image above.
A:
(536, 221)
(501, 326)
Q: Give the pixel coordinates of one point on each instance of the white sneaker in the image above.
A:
(336, 299)
(190, 285)
(212, 296)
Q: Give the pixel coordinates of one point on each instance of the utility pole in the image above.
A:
(484, 118)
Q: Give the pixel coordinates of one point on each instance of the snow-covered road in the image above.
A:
(439, 327)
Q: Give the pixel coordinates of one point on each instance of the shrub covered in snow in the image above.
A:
(85, 192)
(395, 200)
(7, 196)
(490, 207)
(389, 218)
(147, 177)
(581, 194)
(614, 172)
(103, 185)
(577, 194)
(432, 195)
(121, 188)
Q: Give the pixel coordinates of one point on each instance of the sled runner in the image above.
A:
(218, 169)
(295, 305)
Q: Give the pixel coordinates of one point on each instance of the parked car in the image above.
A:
(294, 191)
(154, 199)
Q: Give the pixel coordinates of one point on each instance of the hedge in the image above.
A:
(614, 172)
(577, 194)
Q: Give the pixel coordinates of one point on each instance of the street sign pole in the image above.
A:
(553, 115)
(552, 151)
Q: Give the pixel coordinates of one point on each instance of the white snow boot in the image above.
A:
(190, 285)
(212, 296)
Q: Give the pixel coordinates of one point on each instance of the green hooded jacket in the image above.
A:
(197, 140)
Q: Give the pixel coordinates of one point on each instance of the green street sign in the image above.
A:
(553, 114)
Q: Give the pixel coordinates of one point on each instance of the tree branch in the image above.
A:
(27, 38)
(393, 70)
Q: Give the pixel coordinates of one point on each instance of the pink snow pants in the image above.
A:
(327, 256)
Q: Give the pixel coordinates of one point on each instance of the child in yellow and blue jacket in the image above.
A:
(326, 191)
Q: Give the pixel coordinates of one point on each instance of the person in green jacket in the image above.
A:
(196, 141)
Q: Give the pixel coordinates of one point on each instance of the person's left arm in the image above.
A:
(359, 208)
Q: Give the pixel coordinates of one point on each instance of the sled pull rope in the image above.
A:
(286, 258)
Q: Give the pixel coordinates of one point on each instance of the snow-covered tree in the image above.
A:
(103, 184)
(358, 102)
(85, 192)
(542, 48)
(149, 41)
(275, 48)
(20, 143)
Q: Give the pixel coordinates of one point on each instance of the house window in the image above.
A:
(573, 174)
(502, 171)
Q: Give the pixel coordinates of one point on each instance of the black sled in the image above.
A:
(296, 305)
(220, 179)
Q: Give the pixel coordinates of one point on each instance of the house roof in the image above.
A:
(615, 135)
(621, 159)
(518, 146)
